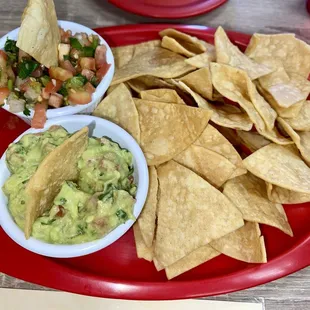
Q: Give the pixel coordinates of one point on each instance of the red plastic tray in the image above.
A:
(116, 272)
(168, 9)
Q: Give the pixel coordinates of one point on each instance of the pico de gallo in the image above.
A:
(26, 84)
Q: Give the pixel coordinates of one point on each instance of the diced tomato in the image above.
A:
(3, 55)
(58, 73)
(55, 100)
(52, 87)
(103, 71)
(4, 93)
(88, 74)
(84, 39)
(88, 63)
(24, 87)
(79, 96)
(22, 55)
(66, 64)
(37, 72)
(65, 35)
(89, 88)
(100, 56)
(39, 117)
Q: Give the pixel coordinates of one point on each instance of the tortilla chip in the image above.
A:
(202, 60)
(245, 244)
(227, 53)
(39, 33)
(191, 43)
(162, 95)
(58, 166)
(302, 121)
(200, 82)
(301, 139)
(252, 140)
(192, 260)
(186, 219)
(174, 46)
(235, 85)
(294, 53)
(285, 196)
(168, 129)
(147, 218)
(280, 165)
(249, 195)
(222, 114)
(119, 108)
(142, 250)
(157, 264)
(123, 54)
(157, 62)
(147, 82)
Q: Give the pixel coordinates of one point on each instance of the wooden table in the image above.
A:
(267, 16)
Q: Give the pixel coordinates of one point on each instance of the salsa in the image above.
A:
(97, 202)
(26, 84)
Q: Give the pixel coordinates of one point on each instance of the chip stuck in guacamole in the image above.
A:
(88, 193)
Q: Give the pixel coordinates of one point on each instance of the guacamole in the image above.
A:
(99, 200)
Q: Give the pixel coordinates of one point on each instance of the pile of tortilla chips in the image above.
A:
(191, 105)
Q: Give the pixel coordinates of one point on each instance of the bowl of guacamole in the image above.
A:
(80, 183)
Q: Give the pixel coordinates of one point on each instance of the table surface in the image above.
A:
(266, 16)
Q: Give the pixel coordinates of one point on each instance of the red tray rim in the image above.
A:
(157, 11)
(55, 275)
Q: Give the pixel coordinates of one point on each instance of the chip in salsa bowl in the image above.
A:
(72, 188)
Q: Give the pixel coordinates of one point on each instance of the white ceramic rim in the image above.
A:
(100, 89)
(65, 251)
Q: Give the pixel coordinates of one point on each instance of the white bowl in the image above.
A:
(98, 128)
(100, 89)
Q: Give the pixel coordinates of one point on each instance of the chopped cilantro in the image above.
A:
(26, 67)
(26, 111)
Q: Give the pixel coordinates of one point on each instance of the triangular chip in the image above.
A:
(191, 213)
(158, 62)
(58, 166)
(191, 43)
(302, 121)
(157, 264)
(200, 82)
(202, 60)
(285, 196)
(249, 195)
(227, 53)
(294, 53)
(222, 114)
(123, 54)
(173, 45)
(119, 108)
(245, 244)
(39, 33)
(280, 165)
(142, 250)
(192, 260)
(162, 95)
(168, 129)
(147, 82)
(147, 218)
(252, 140)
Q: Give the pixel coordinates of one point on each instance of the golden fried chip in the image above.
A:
(252, 140)
(202, 60)
(157, 264)
(147, 218)
(191, 43)
(249, 195)
(301, 139)
(157, 62)
(192, 260)
(227, 53)
(174, 46)
(280, 165)
(200, 82)
(58, 166)
(142, 250)
(119, 108)
(302, 121)
(147, 82)
(285, 196)
(222, 114)
(123, 54)
(186, 219)
(162, 95)
(39, 33)
(168, 129)
(294, 53)
(245, 244)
